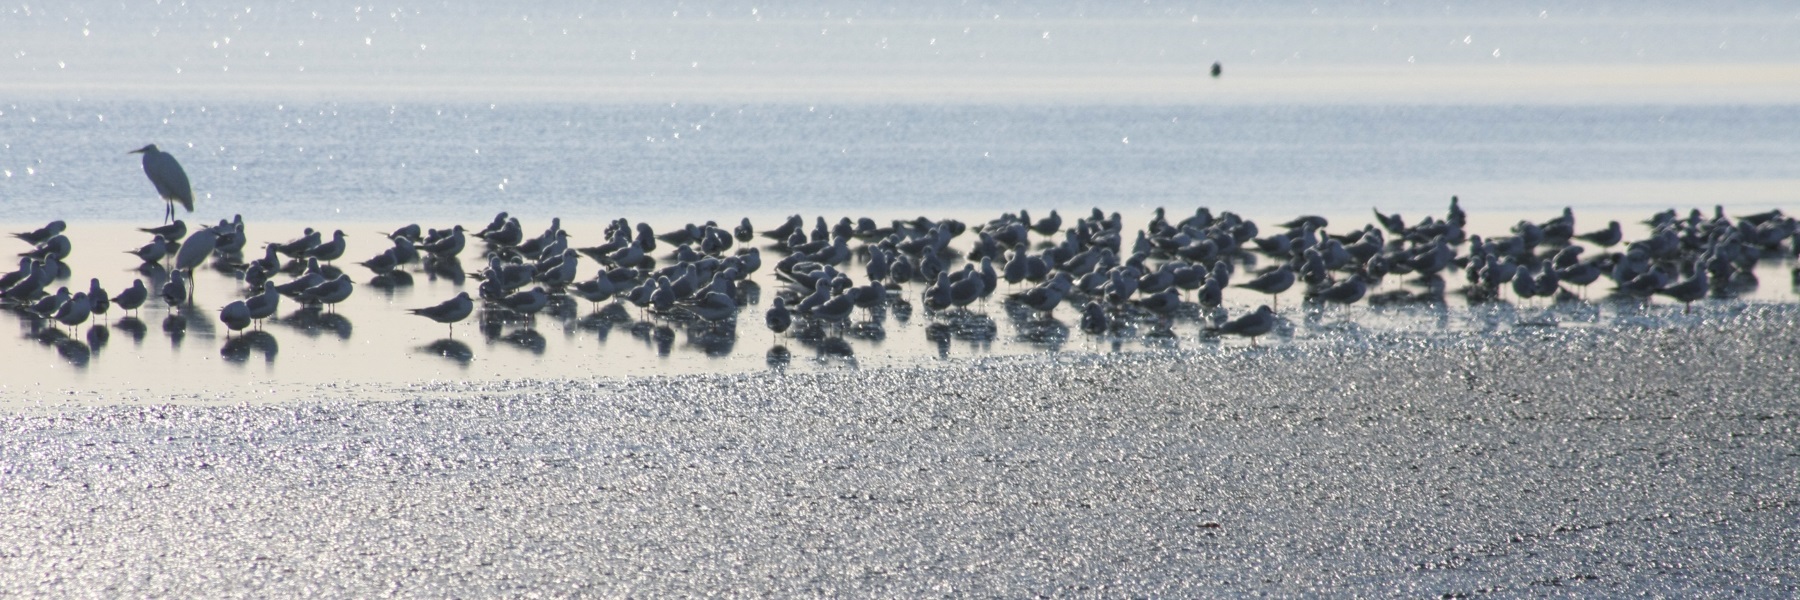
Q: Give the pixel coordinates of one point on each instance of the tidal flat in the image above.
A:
(1655, 456)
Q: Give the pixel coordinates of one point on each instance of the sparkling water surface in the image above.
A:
(1602, 447)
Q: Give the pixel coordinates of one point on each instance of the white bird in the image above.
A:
(171, 182)
(195, 250)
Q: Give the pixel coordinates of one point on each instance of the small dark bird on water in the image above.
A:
(1217, 69)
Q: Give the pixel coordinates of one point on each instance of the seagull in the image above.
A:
(39, 235)
(527, 302)
(449, 312)
(171, 182)
(301, 245)
(172, 232)
(1688, 290)
(1348, 291)
(713, 307)
(1094, 319)
(152, 252)
(330, 292)
(329, 251)
(383, 263)
(263, 306)
(1272, 283)
(1605, 238)
(448, 247)
(57, 246)
(596, 290)
(47, 306)
(175, 292)
(133, 296)
(97, 297)
(778, 318)
(835, 310)
(235, 315)
(75, 311)
(1251, 325)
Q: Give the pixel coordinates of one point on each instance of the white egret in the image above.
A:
(171, 182)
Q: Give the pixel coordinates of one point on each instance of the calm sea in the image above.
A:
(357, 161)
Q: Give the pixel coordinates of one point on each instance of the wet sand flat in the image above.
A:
(1656, 457)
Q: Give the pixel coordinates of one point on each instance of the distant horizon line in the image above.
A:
(1691, 84)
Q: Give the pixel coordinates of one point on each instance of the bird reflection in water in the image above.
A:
(664, 338)
(778, 358)
(939, 335)
(390, 281)
(176, 326)
(70, 349)
(74, 351)
(134, 328)
(977, 329)
(527, 339)
(902, 310)
(604, 320)
(238, 349)
(451, 349)
(832, 351)
(1046, 333)
(716, 342)
(98, 336)
(312, 321)
(448, 269)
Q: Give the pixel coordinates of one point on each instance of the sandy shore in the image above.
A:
(1660, 458)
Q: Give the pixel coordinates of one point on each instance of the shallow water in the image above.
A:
(186, 355)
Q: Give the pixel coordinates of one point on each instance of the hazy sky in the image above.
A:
(839, 51)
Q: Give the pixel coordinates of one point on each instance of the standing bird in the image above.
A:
(235, 315)
(133, 296)
(328, 251)
(175, 292)
(1272, 283)
(263, 306)
(1251, 325)
(779, 319)
(451, 311)
(171, 182)
(75, 311)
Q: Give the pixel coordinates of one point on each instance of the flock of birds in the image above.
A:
(1174, 267)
